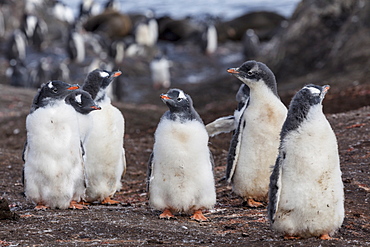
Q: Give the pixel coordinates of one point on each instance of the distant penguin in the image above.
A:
(18, 74)
(16, 46)
(75, 46)
(180, 169)
(53, 179)
(306, 191)
(251, 44)
(230, 123)
(209, 40)
(35, 30)
(254, 146)
(105, 156)
(160, 72)
(146, 31)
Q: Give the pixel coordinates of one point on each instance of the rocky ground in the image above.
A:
(134, 223)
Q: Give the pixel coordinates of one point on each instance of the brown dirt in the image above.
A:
(134, 223)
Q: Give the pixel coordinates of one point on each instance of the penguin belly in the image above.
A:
(182, 176)
(53, 163)
(105, 157)
(259, 148)
(312, 199)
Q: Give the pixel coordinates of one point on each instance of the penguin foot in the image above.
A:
(167, 214)
(254, 204)
(76, 205)
(109, 201)
(198, 216)
(289, 237)
(41, 206)
(325, 236)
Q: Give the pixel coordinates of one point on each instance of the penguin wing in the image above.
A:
(149, 171)
(221, 125)
(124, 161)
(233, 154)
(275, 187)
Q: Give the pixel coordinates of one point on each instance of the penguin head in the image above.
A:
(252, 72)
(312, 94)
(82, 102)
(176, 100)
(51, 91)
(180, 105)
(306, 98)
(99, 79)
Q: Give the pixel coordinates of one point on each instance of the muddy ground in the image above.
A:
(134, 223)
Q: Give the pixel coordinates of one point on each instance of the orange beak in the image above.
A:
(163, 96)
(326, 88)
(74, 87)
(232, 71)
(117, 73)
(96, 107)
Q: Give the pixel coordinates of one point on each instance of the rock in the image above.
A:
(5, 213)
(332, 35)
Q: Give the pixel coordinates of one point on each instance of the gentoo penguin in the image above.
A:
(105, 156)
(209, 40)
(16, 46)
(230, 123)
(160, 72)
(306, 191)
(254, 146)
(146, 31)
(180, 168)
(53, 179)
(75, 46)
(251, 44)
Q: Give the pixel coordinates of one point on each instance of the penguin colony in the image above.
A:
(303, 190)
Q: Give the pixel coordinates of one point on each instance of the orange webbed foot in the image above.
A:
(76, 205)
(109, 201)
(198, 216)
(254, 204)
(167, 214)
(289, 237)
(325, 237)
(41, 206)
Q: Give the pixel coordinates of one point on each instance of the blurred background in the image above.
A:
(188, 44)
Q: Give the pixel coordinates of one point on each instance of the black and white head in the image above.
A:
(303, 101)
(98, 80)
(50, 92)
(252, 72)
(180, 105)
(82, 102)
(242, 96)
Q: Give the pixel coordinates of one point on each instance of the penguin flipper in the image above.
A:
(149, 171)
(124, 161)
(275, 187)
(221, 125)
(232, 156)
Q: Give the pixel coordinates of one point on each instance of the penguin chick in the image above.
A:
(254, 146)
(230, 123)
(53, 179)
(306, 191)
(160, 72)
(82, 102)
(180, 175)
(105, 156)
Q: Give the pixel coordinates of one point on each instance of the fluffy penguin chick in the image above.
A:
(53, 179)
(105, 161)
(230, 123)
(255, 143)
(306, 191)
(180, 169)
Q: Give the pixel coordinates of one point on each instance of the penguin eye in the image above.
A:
(179, 99)
(249, 73)
(54, 90)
